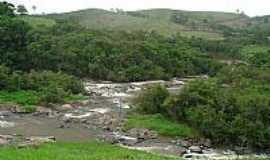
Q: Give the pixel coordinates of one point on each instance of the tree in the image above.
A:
(119, 11)
(13, 40)
(151, 100)
(112, 10)
(21, 9)
(179, 18)
(7, 9)
(266, 20)
(34, 8)
(205, 20)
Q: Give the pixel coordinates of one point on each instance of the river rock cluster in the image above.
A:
(23, 142)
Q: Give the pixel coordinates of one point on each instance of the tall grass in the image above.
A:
(159, 123)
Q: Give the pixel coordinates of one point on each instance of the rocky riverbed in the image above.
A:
(101, 117)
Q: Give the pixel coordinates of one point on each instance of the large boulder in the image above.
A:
(119, 138)
(109, 139)
(36, 141)
(85, 102)
(195, 149)
(5, 113)
(45, 111)
(3, 141)
(48, 139)
(66, 107)
(6, 124)
(182, 142)
(172, 150)
(142, 133)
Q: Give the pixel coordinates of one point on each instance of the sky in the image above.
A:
(250, 7)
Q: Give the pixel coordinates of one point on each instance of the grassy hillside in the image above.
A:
(160, 20)
(195, 16)
(165, 21)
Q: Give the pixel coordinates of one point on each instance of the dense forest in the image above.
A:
(231, 107)
(107, 55)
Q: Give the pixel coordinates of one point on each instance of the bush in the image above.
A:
(52, 94)
(229, 110)
(232, 108)
(4, 77)
(36, 81)
(27, 88)
(152, 99)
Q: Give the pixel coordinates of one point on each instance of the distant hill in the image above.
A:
(164, 21)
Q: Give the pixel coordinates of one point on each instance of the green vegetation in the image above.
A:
(38, 65)
(232, 108)
(257, 55)
(209, 25)
(30, 99)
(108, 55)
(118, 56)
(7, 9)
(151, 100)
(78, 151)
(238, 45)
(159, 123)
(37, 22)
(151, 20)
(35, 88)
(259, 23)
(25, 98)
(212, 36)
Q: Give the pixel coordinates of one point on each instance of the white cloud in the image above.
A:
(251, 7)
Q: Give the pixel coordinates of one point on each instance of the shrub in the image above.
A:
(232, 108)
(32, 88)
(52, 94)
(38, 80)
(152, 99)
(4, 76)
(229, 110)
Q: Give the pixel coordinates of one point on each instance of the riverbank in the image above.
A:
(102, 117)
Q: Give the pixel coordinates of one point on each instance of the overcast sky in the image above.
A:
(250, 7)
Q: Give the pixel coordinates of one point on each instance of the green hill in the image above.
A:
(164, 21)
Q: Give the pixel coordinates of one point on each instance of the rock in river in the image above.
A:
(48, 139)
(5, 124)
(195, 149)
(3, 141)
(142, 133)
